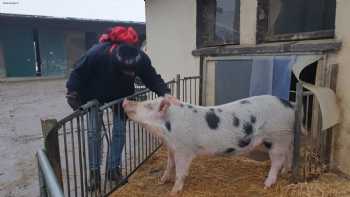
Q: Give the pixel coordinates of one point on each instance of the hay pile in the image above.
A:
(227, 176)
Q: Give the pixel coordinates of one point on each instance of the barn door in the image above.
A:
(18, 51)
(52, 52)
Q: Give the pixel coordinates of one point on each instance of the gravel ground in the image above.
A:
(22, 105)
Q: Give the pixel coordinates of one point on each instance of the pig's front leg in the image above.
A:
(169, 168)
(182, 165)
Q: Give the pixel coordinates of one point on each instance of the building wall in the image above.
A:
(58, 49)
(171, 36)
(342, 132)
(74, 43)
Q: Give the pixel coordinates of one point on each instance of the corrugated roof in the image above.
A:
(80, 24)
(65, 18)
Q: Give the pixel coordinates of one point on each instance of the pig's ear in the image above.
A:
(164, 105)
(172, 99)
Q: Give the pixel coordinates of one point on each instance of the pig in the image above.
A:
(234, 128)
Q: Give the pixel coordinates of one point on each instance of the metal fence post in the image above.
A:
(201, 77)
(178, 84)
(297, 131)
(95, 148)
(50, 133)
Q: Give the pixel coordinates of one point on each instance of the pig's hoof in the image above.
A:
(164, 179)
(173, 194)
(268, 183)
(285, 170)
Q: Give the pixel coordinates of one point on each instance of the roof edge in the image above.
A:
(67, 18)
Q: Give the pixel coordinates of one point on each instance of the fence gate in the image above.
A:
(312, 148)
(84, 139)
(67, 158)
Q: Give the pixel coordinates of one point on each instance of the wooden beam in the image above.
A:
(271, 48)
(50, 133)
(297, 132)
(332, 73)
(300, 36)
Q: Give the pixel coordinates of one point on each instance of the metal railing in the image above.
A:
(52, 187)
(69, 158)
(67, 142)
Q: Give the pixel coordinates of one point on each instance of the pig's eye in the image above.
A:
(149, 106)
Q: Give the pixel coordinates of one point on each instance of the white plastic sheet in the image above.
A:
(261, 77)
(326, 97)
(271, 75)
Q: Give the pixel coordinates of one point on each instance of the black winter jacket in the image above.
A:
(96, 76)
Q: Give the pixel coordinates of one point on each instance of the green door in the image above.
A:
(52, 52)
(18, 51)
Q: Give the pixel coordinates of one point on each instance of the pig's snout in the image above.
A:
(129, 107)
(125, 103)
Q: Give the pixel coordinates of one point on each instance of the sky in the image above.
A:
(124, 10)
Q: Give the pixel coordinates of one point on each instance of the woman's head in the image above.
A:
(123, 48)
(127, 57)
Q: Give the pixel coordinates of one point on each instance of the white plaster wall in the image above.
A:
(171, 36)
(342, 132)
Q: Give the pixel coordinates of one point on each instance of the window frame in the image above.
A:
(202, 28)
(264, 36)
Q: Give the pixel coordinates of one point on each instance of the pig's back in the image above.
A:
(219, 127)
(268, 112)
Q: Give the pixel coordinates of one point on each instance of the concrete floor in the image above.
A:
(22, 105)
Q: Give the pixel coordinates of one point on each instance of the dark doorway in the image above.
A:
(37, 52)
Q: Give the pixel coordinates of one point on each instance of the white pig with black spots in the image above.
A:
(230, 129)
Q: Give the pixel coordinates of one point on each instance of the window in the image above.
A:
(280, 20)
(218, 22)
(227, 79)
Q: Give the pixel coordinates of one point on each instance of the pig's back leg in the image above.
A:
(277, 153)
(182, 165)
(287, 166)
